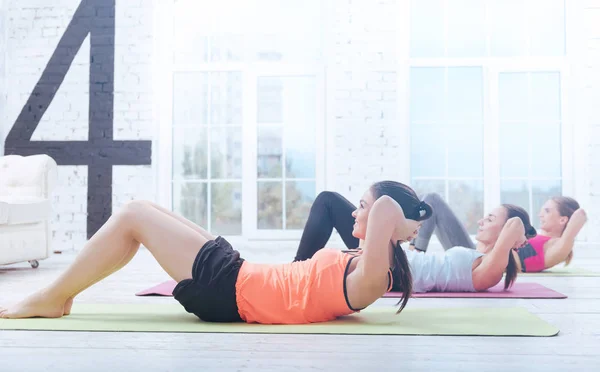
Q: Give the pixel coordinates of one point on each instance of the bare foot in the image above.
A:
(68, 305)
(36, 305)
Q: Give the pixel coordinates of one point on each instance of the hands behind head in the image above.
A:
(514, 226)
(579, 217)
(406, 230)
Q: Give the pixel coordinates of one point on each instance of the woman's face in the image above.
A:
(491, 225)
(550, 218)
(361, 215)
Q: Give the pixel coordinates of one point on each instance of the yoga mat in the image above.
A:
(373, 321)
(564, 271)
(162, 289)
(518, 290)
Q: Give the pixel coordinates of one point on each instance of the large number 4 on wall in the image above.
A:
(100, 152)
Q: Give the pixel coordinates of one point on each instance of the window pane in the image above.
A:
(514, 150)
(190, 98)
(466, 28)
(189, 200)
(513, 96)
(226, 208)
(465, 150)
(287, 31)
(427, 150)
(270, 100)
(225, 92)
(465, 94)
(466, 200)
(198, 31)
(426, 94)
(423, 187)
(270, 205)
(226, 152)
(515, 192)
(269, 152)
(546, 150)
(545, 96)
(299, 196)
(300, 116)
(190, 153)
(547, 27)
(508, 37)
(264, 30)
(202, 98)
(300, 152)
(540, 192)
(193, 45)
(426, 28)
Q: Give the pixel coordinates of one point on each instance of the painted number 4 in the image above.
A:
(100, 152)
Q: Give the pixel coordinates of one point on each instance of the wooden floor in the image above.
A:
(576, 348)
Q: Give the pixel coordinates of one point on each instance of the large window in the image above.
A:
(530, 138)
(486, 80)
(246, 81)
(446, 124)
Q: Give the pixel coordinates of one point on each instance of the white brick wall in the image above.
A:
(33, 30)
(3, 87)
(366, 132)
(363, 79)
(589, 95)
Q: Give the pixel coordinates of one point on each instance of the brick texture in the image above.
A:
(32, 32)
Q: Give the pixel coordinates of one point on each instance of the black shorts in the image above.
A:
(210, 294)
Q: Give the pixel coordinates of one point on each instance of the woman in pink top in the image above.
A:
(561, 219)
(216, 284)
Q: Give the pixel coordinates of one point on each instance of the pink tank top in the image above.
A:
(532, 255)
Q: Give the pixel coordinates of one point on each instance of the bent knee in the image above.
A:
(327, 196)
(132, 210)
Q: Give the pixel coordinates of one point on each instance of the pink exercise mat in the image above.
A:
(518, 290)
(163, 289)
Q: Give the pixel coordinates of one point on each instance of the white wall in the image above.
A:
(34, 29)
(365, 95)
(589, 91)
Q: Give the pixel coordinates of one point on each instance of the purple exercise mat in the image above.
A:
(518, 290)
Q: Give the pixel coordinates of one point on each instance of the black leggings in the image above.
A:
(329, 211)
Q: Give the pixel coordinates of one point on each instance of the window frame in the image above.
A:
(571, 169)
(164, 68)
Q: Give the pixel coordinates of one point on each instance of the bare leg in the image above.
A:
(187, 222)
(132, 252)
(173, 244)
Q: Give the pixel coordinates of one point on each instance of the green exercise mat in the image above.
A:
(374, 320)
(564, 271)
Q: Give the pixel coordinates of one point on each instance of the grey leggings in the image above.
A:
(449, 230)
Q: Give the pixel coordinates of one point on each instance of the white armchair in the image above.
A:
(26, 184)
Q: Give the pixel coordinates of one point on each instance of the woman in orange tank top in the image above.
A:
(216, 284)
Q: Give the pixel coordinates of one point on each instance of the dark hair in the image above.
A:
(566, 207)
(413, 209)
(530, 232)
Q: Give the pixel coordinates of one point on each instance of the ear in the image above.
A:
(563, 220)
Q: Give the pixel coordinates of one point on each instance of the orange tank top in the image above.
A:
(294, 293)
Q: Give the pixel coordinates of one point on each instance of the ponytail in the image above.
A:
(511, 271)
(402, 276)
